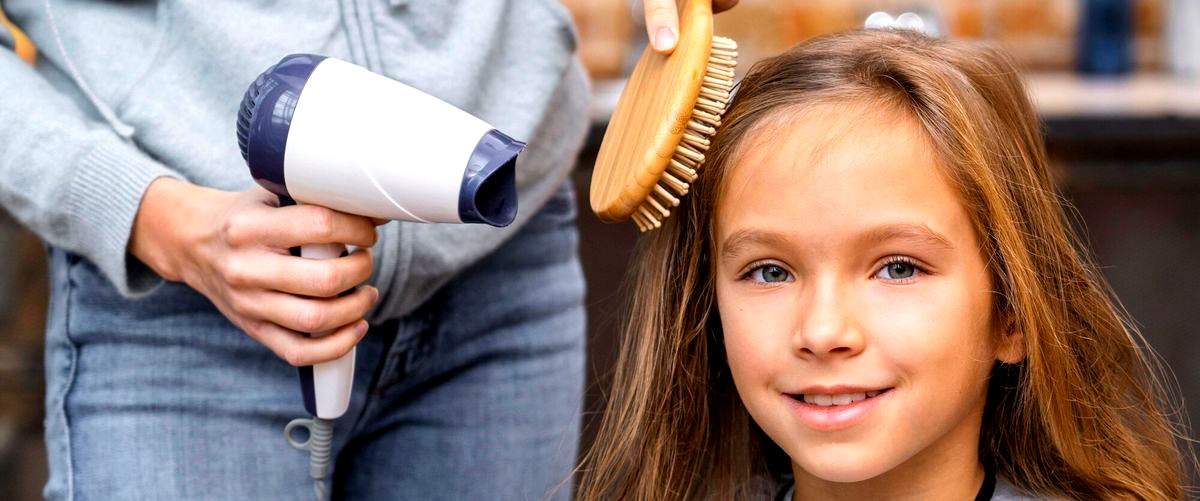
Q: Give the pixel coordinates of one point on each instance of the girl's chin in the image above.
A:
(842, 473)
(843, 462)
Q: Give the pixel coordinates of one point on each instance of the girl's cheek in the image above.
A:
(906, 323)
(921, 323)
(755, 331)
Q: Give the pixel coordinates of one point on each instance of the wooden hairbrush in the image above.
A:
(663, 122)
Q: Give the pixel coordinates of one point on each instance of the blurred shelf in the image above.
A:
(1147, 115)
(1141, 95)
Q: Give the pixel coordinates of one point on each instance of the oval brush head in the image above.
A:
(660, 130)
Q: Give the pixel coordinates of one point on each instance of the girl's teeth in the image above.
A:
(843, 399)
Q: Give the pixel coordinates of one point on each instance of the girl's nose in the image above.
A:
(826, 327)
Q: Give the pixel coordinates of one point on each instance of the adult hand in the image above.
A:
(233, 248)
(662, 22)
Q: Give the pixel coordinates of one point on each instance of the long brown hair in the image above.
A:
(1085, 415)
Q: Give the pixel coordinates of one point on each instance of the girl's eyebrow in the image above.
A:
(919, 233)
(741, 240)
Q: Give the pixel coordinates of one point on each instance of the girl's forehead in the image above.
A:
(831, 143)
(837, 167)
(814, 129)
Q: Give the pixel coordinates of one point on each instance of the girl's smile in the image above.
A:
(836, 408)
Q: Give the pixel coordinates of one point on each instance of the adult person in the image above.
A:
(174, 304)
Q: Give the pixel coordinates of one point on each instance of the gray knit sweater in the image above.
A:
(128, 91)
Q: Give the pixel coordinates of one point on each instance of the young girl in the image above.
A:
(873, 292)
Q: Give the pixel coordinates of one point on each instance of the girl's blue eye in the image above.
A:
(898, 269)
(770, 273)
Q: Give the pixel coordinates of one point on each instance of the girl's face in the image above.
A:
(854, 298)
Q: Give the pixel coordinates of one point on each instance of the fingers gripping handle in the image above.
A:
(332, 380)
(326, 386)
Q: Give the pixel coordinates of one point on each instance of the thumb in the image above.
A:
(662, 24)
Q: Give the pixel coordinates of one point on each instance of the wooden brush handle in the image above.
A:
(650, 117)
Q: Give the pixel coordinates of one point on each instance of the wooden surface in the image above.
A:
(650, 117)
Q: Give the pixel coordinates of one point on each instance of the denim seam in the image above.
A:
(396, 359)
(69, 455)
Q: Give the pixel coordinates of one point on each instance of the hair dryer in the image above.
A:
(322, 131)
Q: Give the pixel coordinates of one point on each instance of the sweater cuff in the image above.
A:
(102, 201)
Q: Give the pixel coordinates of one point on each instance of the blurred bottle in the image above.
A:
(1183, 37)
(1105, 37)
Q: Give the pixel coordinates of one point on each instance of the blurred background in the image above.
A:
(1117, 83)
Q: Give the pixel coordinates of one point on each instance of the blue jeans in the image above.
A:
(475, 395)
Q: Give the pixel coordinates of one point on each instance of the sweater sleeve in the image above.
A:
(69, 178)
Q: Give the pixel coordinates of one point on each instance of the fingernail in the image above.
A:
(664, 39)
(361, 328)
(374, 295)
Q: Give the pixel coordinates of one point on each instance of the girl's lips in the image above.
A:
(835, 417)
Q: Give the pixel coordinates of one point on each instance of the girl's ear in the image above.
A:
(1011, 347)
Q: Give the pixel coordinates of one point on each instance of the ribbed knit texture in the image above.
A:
(103, 199)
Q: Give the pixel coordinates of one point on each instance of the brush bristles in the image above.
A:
(689, 154)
